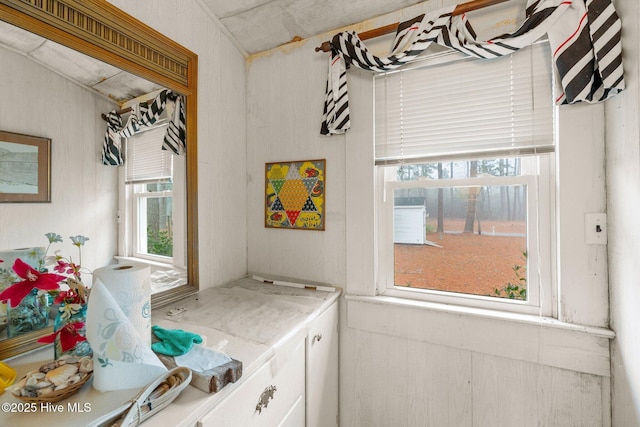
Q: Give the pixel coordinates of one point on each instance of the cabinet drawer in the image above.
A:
(277, 395)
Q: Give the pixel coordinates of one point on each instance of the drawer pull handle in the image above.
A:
(317, 337)
(265, 397)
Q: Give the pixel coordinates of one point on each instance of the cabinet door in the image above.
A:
(265, 398)
(322, 370)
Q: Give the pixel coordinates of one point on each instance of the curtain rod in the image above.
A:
(120, 112)
(128, 109)
(388, 29)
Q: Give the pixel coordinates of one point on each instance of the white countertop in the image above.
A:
(250, 321)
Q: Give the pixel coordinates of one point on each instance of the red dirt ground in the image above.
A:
(468, 263)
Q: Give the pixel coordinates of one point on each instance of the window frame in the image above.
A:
(138, 208)
(541, 287)
(129, 210)
(542, 235)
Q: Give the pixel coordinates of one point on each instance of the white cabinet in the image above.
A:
(266, 398)
(322, 370)
(303, 391)
(286, 337)
(295, 417)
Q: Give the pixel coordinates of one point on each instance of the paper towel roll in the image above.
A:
(130, 287)
(119, 328)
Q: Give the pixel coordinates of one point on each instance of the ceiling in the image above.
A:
(259, 25)
(254, 26)
(102, 78)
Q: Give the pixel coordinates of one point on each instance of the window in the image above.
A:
(464, 158)
(153, 235)
(153, 204)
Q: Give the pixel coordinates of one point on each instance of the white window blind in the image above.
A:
(448, 107)
(145, 159)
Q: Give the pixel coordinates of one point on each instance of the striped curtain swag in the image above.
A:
(145, 115)
(584, 36)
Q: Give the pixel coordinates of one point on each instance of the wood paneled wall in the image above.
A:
(391, 374)
(390, 381)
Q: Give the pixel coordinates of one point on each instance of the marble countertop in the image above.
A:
(251, 321)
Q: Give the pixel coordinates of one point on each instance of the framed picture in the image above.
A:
(295, 195)
(25, 168)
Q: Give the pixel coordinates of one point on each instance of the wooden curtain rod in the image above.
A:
(148, 102)
(388, 29)
(128, 109)
(120, 112)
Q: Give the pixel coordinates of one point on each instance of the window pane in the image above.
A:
(465, 169)
(158, 224)
(468, 239)
(158, 186)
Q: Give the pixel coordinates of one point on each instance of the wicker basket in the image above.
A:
(58, 395)
(72, 371)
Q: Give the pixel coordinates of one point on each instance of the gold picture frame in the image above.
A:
(25, 168)
(104, 32)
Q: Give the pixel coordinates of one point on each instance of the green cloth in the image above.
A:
(174, 342)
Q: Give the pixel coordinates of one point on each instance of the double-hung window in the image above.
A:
(153, 222)
(465, 180)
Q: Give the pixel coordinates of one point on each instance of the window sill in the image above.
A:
(528, 319)
(540, 340)
(123, 259)
(164, 276)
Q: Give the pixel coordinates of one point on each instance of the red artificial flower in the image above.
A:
(32, 279)
(68, 297)
(69, 336)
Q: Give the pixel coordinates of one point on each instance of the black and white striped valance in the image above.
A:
(144, 115)
(584, 36)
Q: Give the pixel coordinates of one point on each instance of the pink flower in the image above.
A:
(74, 269)
(69, 336)
(61, 267)
(64, 267)
(32, 279)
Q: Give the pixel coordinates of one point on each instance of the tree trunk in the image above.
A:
(440, 203)
(472, 202)
(481, 197)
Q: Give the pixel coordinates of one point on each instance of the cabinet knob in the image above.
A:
(317, 337)
(265, 398)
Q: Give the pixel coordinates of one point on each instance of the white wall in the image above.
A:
(623, 184)
(39, 102)
(222, 182)
(406, 364)
(284, 107)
